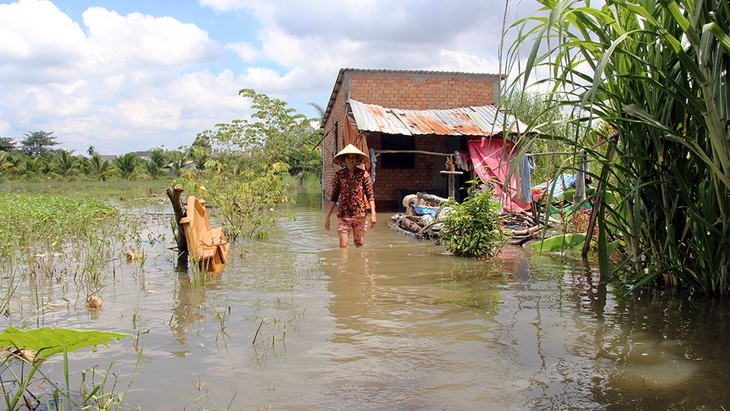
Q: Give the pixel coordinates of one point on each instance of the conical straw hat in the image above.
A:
(350, 149)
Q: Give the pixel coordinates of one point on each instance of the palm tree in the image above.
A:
(6, 163)
(656, 74)
(126, 165)
(177, 162)
(65, 163)
(98, 168)
(156, 165)
(33, 166)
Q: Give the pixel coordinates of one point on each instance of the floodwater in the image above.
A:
(295, 323)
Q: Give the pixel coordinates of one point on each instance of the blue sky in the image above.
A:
(128, 75)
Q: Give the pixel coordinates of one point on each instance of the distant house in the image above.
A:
(107, 157)
(144, 155)
(409, 122)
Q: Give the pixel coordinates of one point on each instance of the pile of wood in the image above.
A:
(412, 226)
(421, 227)
(521, 225)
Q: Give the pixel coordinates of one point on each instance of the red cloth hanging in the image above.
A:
(490, 158)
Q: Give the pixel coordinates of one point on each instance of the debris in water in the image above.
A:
(94, 302)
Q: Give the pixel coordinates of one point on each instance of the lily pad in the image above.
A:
(48, 341)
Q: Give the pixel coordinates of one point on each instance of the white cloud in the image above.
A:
(124, 82)
(118, 80)
(246, 51)
(145, 41)
(282, 48)
(39, 43)
(268, 81)
(318, 37)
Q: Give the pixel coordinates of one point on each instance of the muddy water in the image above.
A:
(296, 323)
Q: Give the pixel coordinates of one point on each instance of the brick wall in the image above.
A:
(337, 118)
(419, 91)
(421, 178)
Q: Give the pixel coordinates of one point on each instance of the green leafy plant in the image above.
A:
(243, 201)
(33, 347)
(473, 228)
(246, 163)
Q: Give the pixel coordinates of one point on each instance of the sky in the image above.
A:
(133, 75)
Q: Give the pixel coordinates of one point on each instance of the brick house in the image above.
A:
(409, 122)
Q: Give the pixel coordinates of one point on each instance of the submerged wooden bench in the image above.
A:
(206, 246)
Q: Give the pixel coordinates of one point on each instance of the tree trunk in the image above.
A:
(175, 195)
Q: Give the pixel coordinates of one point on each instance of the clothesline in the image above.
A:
(379, 152)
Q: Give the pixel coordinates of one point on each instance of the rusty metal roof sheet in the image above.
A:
(343, 71)
(464, 121)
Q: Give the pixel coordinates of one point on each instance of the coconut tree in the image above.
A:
(98, 168)
(6, 163)
(177, 162)
(126, 165)
(156, 164)
(33, 166)
(656, 72)
(66, 164)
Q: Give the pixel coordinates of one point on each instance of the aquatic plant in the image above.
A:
(33, 347)
(37, 224)
(137, 191)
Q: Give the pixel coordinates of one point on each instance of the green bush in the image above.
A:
(473, 228)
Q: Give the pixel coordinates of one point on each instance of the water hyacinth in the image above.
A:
(44, 223)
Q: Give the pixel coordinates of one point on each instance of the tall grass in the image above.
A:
(657, 74)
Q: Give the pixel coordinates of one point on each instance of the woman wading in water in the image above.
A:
(352, 188)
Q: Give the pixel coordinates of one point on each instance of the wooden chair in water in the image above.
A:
(207, 246)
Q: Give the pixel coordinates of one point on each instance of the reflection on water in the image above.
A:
(189, 297)
(297, 323)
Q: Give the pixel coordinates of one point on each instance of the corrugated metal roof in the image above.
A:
(343, 71)
(464, 121)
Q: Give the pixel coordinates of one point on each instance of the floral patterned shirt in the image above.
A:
(354, 193)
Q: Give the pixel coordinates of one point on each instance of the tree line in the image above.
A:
(277, 135)
(36, 158)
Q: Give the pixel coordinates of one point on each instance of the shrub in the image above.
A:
(473, 228)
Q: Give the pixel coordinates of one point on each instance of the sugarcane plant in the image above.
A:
(655, 74)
